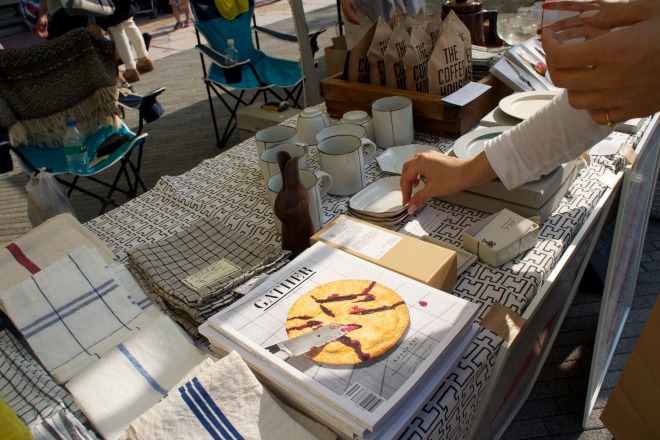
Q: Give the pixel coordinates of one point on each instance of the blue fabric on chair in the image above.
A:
(255, 72)
(272, 71)
(54, 159)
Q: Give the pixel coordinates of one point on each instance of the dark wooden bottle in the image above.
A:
(292, 207)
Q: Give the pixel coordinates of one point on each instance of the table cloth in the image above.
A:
(230, 188)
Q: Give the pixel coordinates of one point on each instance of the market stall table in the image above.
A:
(229, 187)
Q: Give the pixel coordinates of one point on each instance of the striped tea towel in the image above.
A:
(61, 426)
(197, 269)
(27, 387)
(71, 313)
(44, 245)
(135, 292)
(224, 401)
(133, 377)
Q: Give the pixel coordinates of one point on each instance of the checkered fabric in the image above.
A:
(196, 270)
(61, 426)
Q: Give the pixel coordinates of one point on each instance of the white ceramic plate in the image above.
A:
(384, 223)
(382, 195)
(471, 144)
(392, 160)
(524, 104)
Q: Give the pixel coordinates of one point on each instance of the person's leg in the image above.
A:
(186, 10)
(143, 64)
(175, 12)
(123, 48)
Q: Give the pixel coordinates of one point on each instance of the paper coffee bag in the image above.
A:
(447, 64)
(434, 27)
(463, 32)
(358, 60)
(395, 70)
(416, 60)
(376, 52)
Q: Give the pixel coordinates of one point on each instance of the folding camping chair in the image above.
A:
(255, 71)
(70, 77)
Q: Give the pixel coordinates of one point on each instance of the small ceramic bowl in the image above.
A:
(310, 122)
(360, 118)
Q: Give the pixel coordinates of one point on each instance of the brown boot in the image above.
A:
(144, 65)
(132, 75)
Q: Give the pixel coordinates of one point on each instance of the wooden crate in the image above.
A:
(430, 114)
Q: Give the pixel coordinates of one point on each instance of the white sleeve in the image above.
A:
(552, 136)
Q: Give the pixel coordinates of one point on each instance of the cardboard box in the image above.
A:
(335, 56)
(431, 114)
(509, 244)
(424, 262)
(251, 119)
(632, 410)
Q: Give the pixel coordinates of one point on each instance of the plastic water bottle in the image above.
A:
(74, 148)
(231, 54)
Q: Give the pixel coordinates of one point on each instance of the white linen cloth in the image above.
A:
(72, 312)
(224, 401)
(134, 376)
(44, 245)
(135, 293)
(552, 136)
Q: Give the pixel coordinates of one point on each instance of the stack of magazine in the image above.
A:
(373, 399)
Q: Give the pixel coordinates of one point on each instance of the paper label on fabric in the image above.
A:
(210, 274)
(361, 238)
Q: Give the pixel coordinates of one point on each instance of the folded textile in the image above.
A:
(72, 312)
(135, 292)
(44, 85)
(197, 269)
(133, 377)
(44, 245)
(26, 386)
(224, 401)
(61, 426)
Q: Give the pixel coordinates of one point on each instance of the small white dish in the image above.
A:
(524, 104)
(362, 118)
(381, 196)
(392, 160)
(472, 144)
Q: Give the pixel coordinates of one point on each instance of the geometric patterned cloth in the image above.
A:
(70, 77)
(229, 187)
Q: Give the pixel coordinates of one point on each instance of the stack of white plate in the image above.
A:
(380, 202)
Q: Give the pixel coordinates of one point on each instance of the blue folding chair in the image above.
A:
(70, 77)
(255, 71)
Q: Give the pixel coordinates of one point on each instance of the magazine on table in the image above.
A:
(367, 392)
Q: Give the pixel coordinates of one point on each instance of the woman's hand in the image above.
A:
(443, 174)
(613, 74)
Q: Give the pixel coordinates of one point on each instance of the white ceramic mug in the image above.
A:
(310, 121)
(344, 129)
(343, 157)
(393, 121)
(360, 118)
(271, 136)
(268, 160)
(317, 185)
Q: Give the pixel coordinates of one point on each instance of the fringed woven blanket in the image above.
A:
(70, 77)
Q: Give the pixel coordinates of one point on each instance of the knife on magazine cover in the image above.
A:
(311, 340)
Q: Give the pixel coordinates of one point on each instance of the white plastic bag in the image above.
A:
(46, 198)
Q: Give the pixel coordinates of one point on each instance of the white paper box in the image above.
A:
(497, 249)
